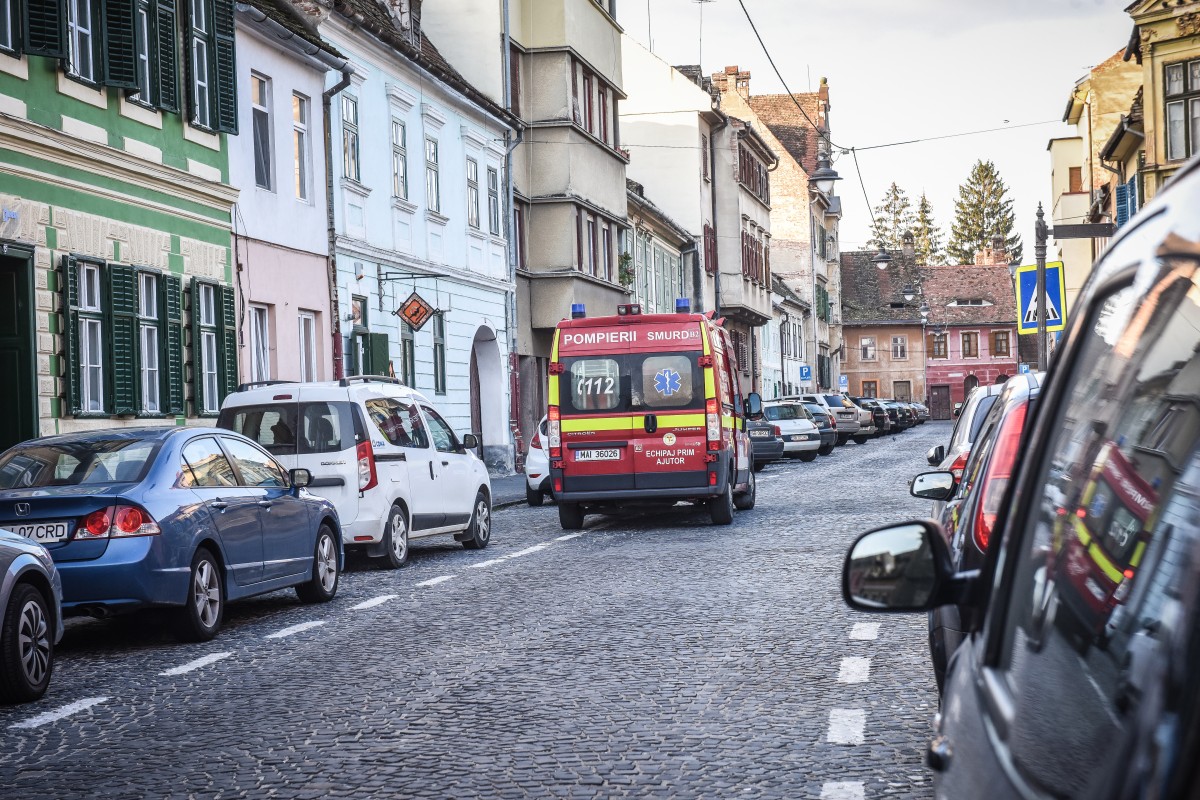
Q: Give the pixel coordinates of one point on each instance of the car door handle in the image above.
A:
(432, 477)
(220, 505)
(445, 463)
(264, 503)
(650, 423)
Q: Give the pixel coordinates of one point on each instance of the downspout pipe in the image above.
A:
(712, 170)
(335, 321)
(511, 142)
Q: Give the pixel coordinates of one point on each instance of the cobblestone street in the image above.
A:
(651, 656)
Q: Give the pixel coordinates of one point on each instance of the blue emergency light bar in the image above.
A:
(683, 305)
(578, 311)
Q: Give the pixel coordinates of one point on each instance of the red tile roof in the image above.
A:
(993, 284)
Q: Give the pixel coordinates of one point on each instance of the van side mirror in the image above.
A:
(754, 408)
(932, 486)
(300, 478)
(936, 455)
(470, 441)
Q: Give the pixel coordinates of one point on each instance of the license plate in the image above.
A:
(760, 434)
(598, 455)
(44, 531)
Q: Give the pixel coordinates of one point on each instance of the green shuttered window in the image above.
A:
(212, 70)
(214, 346)
(44, 27)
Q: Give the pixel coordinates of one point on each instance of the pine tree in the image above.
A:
(927, 235)
(893, 217)
(983, 209)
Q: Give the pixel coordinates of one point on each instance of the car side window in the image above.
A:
(256, 467)
(399, 422)
(444, 439)
(205, 465)
(1096, 630)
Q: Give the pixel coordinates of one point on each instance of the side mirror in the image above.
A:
(470, 441)
(932, 486)
(300, 478)
(754, 405)
(898, 568)
(957, 409)
(936, 455)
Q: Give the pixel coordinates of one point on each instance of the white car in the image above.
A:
(537, 468)
(801, 438)
(380, 452)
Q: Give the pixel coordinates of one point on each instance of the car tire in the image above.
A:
(826, 449)
(720, 508)
(759, 466)
(745, 500)
(570, 516)
(26, 646)
(861, 439)
(842, 440)
(534, 497)
(811, 455)
(481, 523)
(395, 538)
(203, 611)
(322, 586)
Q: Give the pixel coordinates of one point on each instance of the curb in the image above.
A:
(502, 504)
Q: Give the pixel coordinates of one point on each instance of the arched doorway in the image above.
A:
(969, 385)
(487, 397)
(1001, 378)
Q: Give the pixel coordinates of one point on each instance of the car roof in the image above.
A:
(148, 433)
(321, 391)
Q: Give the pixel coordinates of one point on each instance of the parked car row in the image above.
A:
(1061, 570)
(188, 519)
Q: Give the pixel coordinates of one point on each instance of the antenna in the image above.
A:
(702, 4)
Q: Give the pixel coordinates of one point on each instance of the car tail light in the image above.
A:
(959, 464)
(367, 478)
(832, 421)
(775, 429)
(117, 522)
(999, 470)
(554, 432)
(558, 484)
(714, 424)
(712, 479)
(536, 442)
(95, 525)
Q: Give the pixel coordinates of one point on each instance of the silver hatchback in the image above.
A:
(31, 621)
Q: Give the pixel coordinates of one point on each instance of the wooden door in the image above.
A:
(939, 402)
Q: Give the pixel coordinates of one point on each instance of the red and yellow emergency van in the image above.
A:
(646, 409)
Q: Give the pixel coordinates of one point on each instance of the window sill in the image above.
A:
(400, 204)
(436, 216)
(354, 187)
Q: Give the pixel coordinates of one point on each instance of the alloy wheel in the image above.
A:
(399, 535)
(206, 594)
(327, 563)
(33, 642)
(483, 521)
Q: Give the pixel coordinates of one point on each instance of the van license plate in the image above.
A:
(43, 531)
(597, 455)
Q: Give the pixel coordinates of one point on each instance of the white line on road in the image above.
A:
(854, 670)
(843, 790)
(374, 601)
(529, 550)
(435, 581)
(212, 658)
(59, 713)
(289, 630)
(866, 631)
(846, 725)
(486, 563)
(568, 537)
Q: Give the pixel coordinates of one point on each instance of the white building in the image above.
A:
(785, 342)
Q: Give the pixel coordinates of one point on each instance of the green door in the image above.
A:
(18, 395)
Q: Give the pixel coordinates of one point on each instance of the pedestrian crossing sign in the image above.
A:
(1027, 301)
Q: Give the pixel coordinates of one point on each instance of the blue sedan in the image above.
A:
(183, 517)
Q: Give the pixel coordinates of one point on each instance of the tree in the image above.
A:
(982, 210)
(893, 217)
(927, 235)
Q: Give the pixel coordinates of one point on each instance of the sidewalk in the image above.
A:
(508, 491)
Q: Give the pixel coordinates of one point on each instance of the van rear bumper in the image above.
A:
(594, 492)
(636, 495)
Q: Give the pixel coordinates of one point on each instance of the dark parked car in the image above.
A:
(883, 422)
(1079, 676)
(826, 425)
(178, 517)
(30, 618)
(766, 442)
(904, 417)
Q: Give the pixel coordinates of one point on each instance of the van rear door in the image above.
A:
(593, 399)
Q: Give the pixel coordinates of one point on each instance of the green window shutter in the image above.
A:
(227, 341)
(379, 354)
(70, 303)
(224, 87)
(120, 43)
(171, 364)
(122, 332)
(197, 351)
(45, 28)
(168, 55)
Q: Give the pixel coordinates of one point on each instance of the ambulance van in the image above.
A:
(646, 409)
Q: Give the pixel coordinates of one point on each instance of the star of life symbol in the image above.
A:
(666, 382)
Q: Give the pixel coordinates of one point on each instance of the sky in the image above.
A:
(908, 70)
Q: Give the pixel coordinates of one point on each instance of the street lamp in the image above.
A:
(881, 259)
(908, 291)
(825, 175)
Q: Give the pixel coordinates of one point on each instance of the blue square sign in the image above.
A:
(805, 372)
(1056, 313)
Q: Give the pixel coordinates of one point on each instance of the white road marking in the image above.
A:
(486, 563)
(529, 550)
(568, 537)
(866, 631)
(854, 670)
(434, 581)
(374, 601)
(843, 790)
(212, 658)
(288, 631)
(846, 725)
(59, 713)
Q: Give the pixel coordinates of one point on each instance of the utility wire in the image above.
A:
(956, 135)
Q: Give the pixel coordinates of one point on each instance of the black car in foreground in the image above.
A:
(1079, 675)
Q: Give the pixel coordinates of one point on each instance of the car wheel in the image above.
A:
(842, 440)
(825, 449)
(570, 516)
(534, 497)
(323, 585)
(204, 610)
(395, 538)
(720, 508)
(745, 501)
(481, 523)
(861, 439)
(759, 466)
(809, 456)
(26, 646)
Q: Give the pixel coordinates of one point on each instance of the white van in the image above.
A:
(377, 450)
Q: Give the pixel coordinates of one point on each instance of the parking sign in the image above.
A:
(805, 372)
(844, 383)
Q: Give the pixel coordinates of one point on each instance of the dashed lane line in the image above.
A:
(568, 537)
(434, 581)
(374, 601)
(204, 661)
(488, 563)
(59, 713)
(854, 669)
(865, 631)
(293, 629)
(529, 550)
(843, 790)
(846, 725)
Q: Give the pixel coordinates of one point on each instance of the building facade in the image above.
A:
(785, 341)
(116, 218)
(655, 268)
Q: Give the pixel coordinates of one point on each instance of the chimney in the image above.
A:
(909, 247)
(743, 84)
(996, 255)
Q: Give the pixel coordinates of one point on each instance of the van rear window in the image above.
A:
(637, 382)
(285, 429)
(595, 384)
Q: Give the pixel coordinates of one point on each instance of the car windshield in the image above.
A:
(776, 413)
(76, 463)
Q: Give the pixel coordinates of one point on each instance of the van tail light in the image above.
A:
(713, 419)
(536, 442)
(959, 465)
(116, 522)
(367, 478)
(999, 471)
(554, 431)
